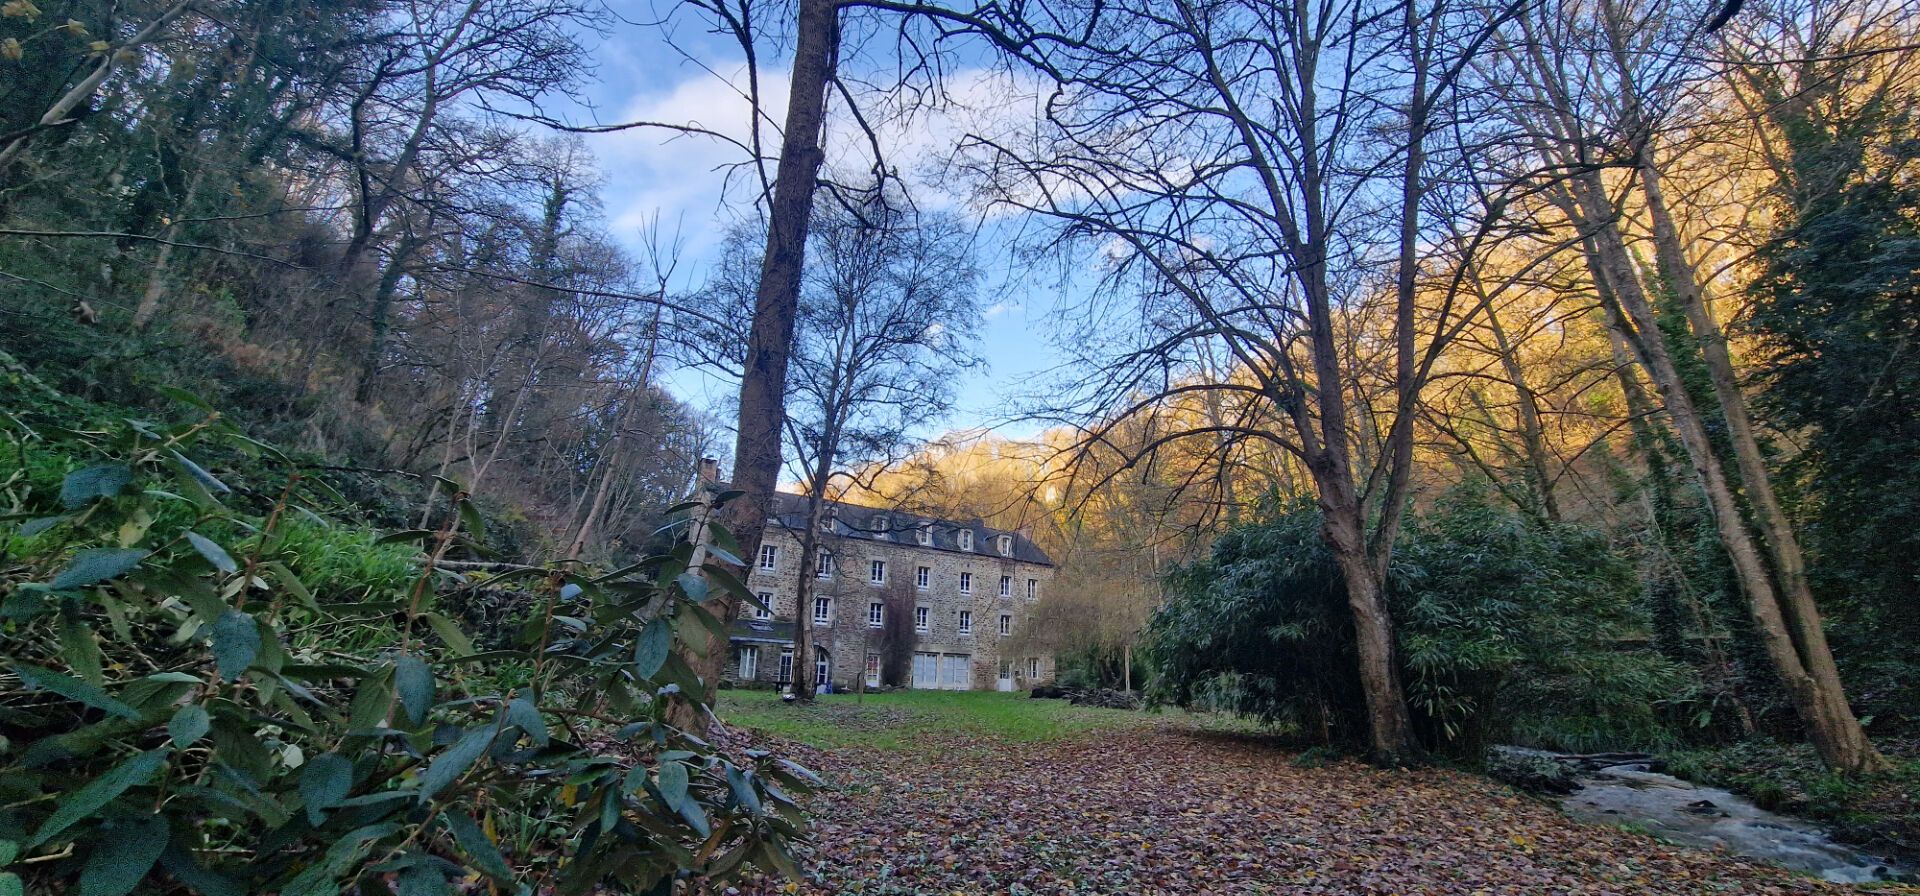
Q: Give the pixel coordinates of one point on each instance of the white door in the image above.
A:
(1006, 675)
(953, 671)
(926, 670)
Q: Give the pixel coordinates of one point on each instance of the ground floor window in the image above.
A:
(1033, 667)
(749, 662)
(786, 665)
(1006, 669)
(873, 670)
(822, 667)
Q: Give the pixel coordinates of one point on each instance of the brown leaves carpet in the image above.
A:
(1166, 810)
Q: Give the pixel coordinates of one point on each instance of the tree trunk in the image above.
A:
(756, 454)
(1788, 562)
(1830, 722)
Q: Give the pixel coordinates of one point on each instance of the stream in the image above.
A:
(1692, 815)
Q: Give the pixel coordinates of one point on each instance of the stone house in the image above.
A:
(898, 600)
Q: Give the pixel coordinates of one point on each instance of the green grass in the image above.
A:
(902, 719)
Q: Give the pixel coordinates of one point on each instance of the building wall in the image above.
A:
(849, 637)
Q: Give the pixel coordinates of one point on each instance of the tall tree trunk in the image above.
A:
(756, 453)
(1789, 563)
(1830, 722)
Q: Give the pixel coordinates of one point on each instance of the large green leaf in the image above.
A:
(214, 553)
(97, 565)
(651, 648)
(73, 689)
(100, 481)
(454, 762)
(324, 782)
(673, 784)
(122, 856)
(199, 475)
(236, 641)
(414, 682)
(189, 724)
(480, 850)
(99, 792)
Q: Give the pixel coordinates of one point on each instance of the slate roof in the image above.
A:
(877, 524)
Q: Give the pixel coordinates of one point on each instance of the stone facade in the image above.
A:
(896, 631)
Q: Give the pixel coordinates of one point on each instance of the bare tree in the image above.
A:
(1242, 160)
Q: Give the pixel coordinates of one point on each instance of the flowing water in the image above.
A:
(1685, 813)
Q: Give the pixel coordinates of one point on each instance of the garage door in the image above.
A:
(953, 671)
(926, 670)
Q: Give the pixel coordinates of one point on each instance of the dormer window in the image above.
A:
(882, 528)
(966, 539)
(1005, 544)
(924, 534)
(826, 521)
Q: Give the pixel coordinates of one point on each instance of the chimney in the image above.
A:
(709, 471)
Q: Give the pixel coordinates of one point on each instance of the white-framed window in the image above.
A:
(1005, 545)
(749, 664)
(769, 556)
(826, 520)
(876, 614)
(822, 667)
(822, 610)
(882, 528)
(923, 577)
(786, 665)
(966, 539)
(1033, 589)
(966, 622)
(923, 534)
(966, 583)
(1006, 669)
(920, 615)
(873, 670)
(764, 612)
(1006, 586)
(1006, 624)
(877, 572)
(823, 564)
(1033, 668)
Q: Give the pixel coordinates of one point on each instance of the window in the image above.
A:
(786, 666)
(1033, 668)
(966, 583)
(919, 619)
(923, 534)
(923, 576)
(882, 528)
(1005, 545)
(822, 667)
(1006, 670)
(749, 665)
(966, 622)
(873, 670)
(877, 572)
(769, 556)
(823, 566)
(966, 539)
(1033, 589)
(1006, 625)
(764, 612)
(1006, 586)
(826, 520)
(876, 614)
(822, 610)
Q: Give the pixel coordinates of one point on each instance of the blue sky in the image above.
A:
(683, 182)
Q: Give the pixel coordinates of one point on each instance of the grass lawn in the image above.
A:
(898, 719)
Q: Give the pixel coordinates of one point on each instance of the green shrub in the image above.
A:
(1507, 629)
(251, 701)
